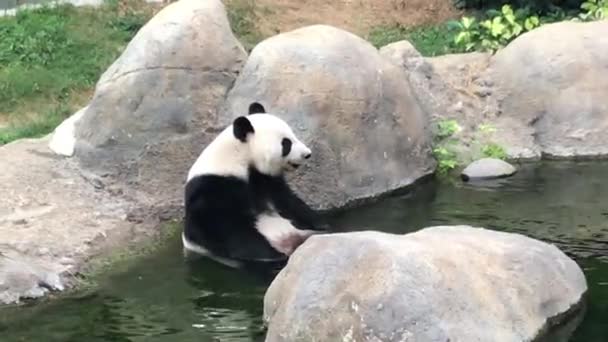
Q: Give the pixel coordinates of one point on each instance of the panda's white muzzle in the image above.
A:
(300, 153)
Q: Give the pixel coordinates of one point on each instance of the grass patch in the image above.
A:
(243, 16)
(49, 56)
(36, 127)
(428, 40)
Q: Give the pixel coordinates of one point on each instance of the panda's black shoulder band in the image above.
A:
(241, 127)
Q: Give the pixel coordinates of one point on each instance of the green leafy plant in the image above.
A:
(493, 33)
(594, 10)
(468, 34)
(493, 150)
(447, 128)
(446, 159)
(442, 151)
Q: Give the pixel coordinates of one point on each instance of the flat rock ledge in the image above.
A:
(487, 168)
(444, 283)
(53, 219)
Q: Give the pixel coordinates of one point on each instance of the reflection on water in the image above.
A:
(168, 298)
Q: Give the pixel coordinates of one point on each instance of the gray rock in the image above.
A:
(440, 284)
(469, 95)
(51, 219)
(155, 107)
(22, 277)
(541, 95)
(487, 168)
(354, 107)
(557, 86)
(399, 52)
(455, 87)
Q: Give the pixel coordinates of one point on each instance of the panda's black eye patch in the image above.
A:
(286, 143)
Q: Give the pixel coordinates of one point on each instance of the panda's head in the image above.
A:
(272, 145)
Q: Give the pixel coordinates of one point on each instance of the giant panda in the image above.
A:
(238, 205)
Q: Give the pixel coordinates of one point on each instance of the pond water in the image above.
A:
(167, 298)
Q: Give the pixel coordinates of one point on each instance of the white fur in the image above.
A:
(192, 247)
(278, 231)
(227, 156)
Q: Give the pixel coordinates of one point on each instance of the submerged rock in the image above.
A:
(22, 277)
(351, 105)
(444, 283)
(488, 168)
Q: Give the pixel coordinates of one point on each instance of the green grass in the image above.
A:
(243, 16)
(36, 127)
(428, 40)
(50, 56)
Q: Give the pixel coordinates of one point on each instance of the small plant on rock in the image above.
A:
(446, 159)
(445, 156)
(447, 128)
(493, 150)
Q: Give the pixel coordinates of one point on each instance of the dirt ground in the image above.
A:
(356, 16)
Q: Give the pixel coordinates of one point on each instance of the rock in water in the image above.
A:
(444, 283)
(354, 107)
(22, 277)
(155, 108)
(487, 168)
(554, 79)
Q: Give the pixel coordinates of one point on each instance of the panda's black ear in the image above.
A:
(256, 107)
(241, 127)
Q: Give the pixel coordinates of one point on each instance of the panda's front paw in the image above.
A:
(289, 243)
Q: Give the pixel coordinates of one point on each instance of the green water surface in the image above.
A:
(166, 297)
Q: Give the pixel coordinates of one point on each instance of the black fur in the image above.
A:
(256, 108)
(286, 146)
(241, 127)
(221, 213)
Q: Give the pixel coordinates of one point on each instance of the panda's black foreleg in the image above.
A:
(292, 207)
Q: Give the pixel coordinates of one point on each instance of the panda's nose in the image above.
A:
(307, 155)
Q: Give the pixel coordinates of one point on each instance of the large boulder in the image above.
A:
(553, 79)
(155, 108)
(537, 96)
(354, 107)
(444, 283)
